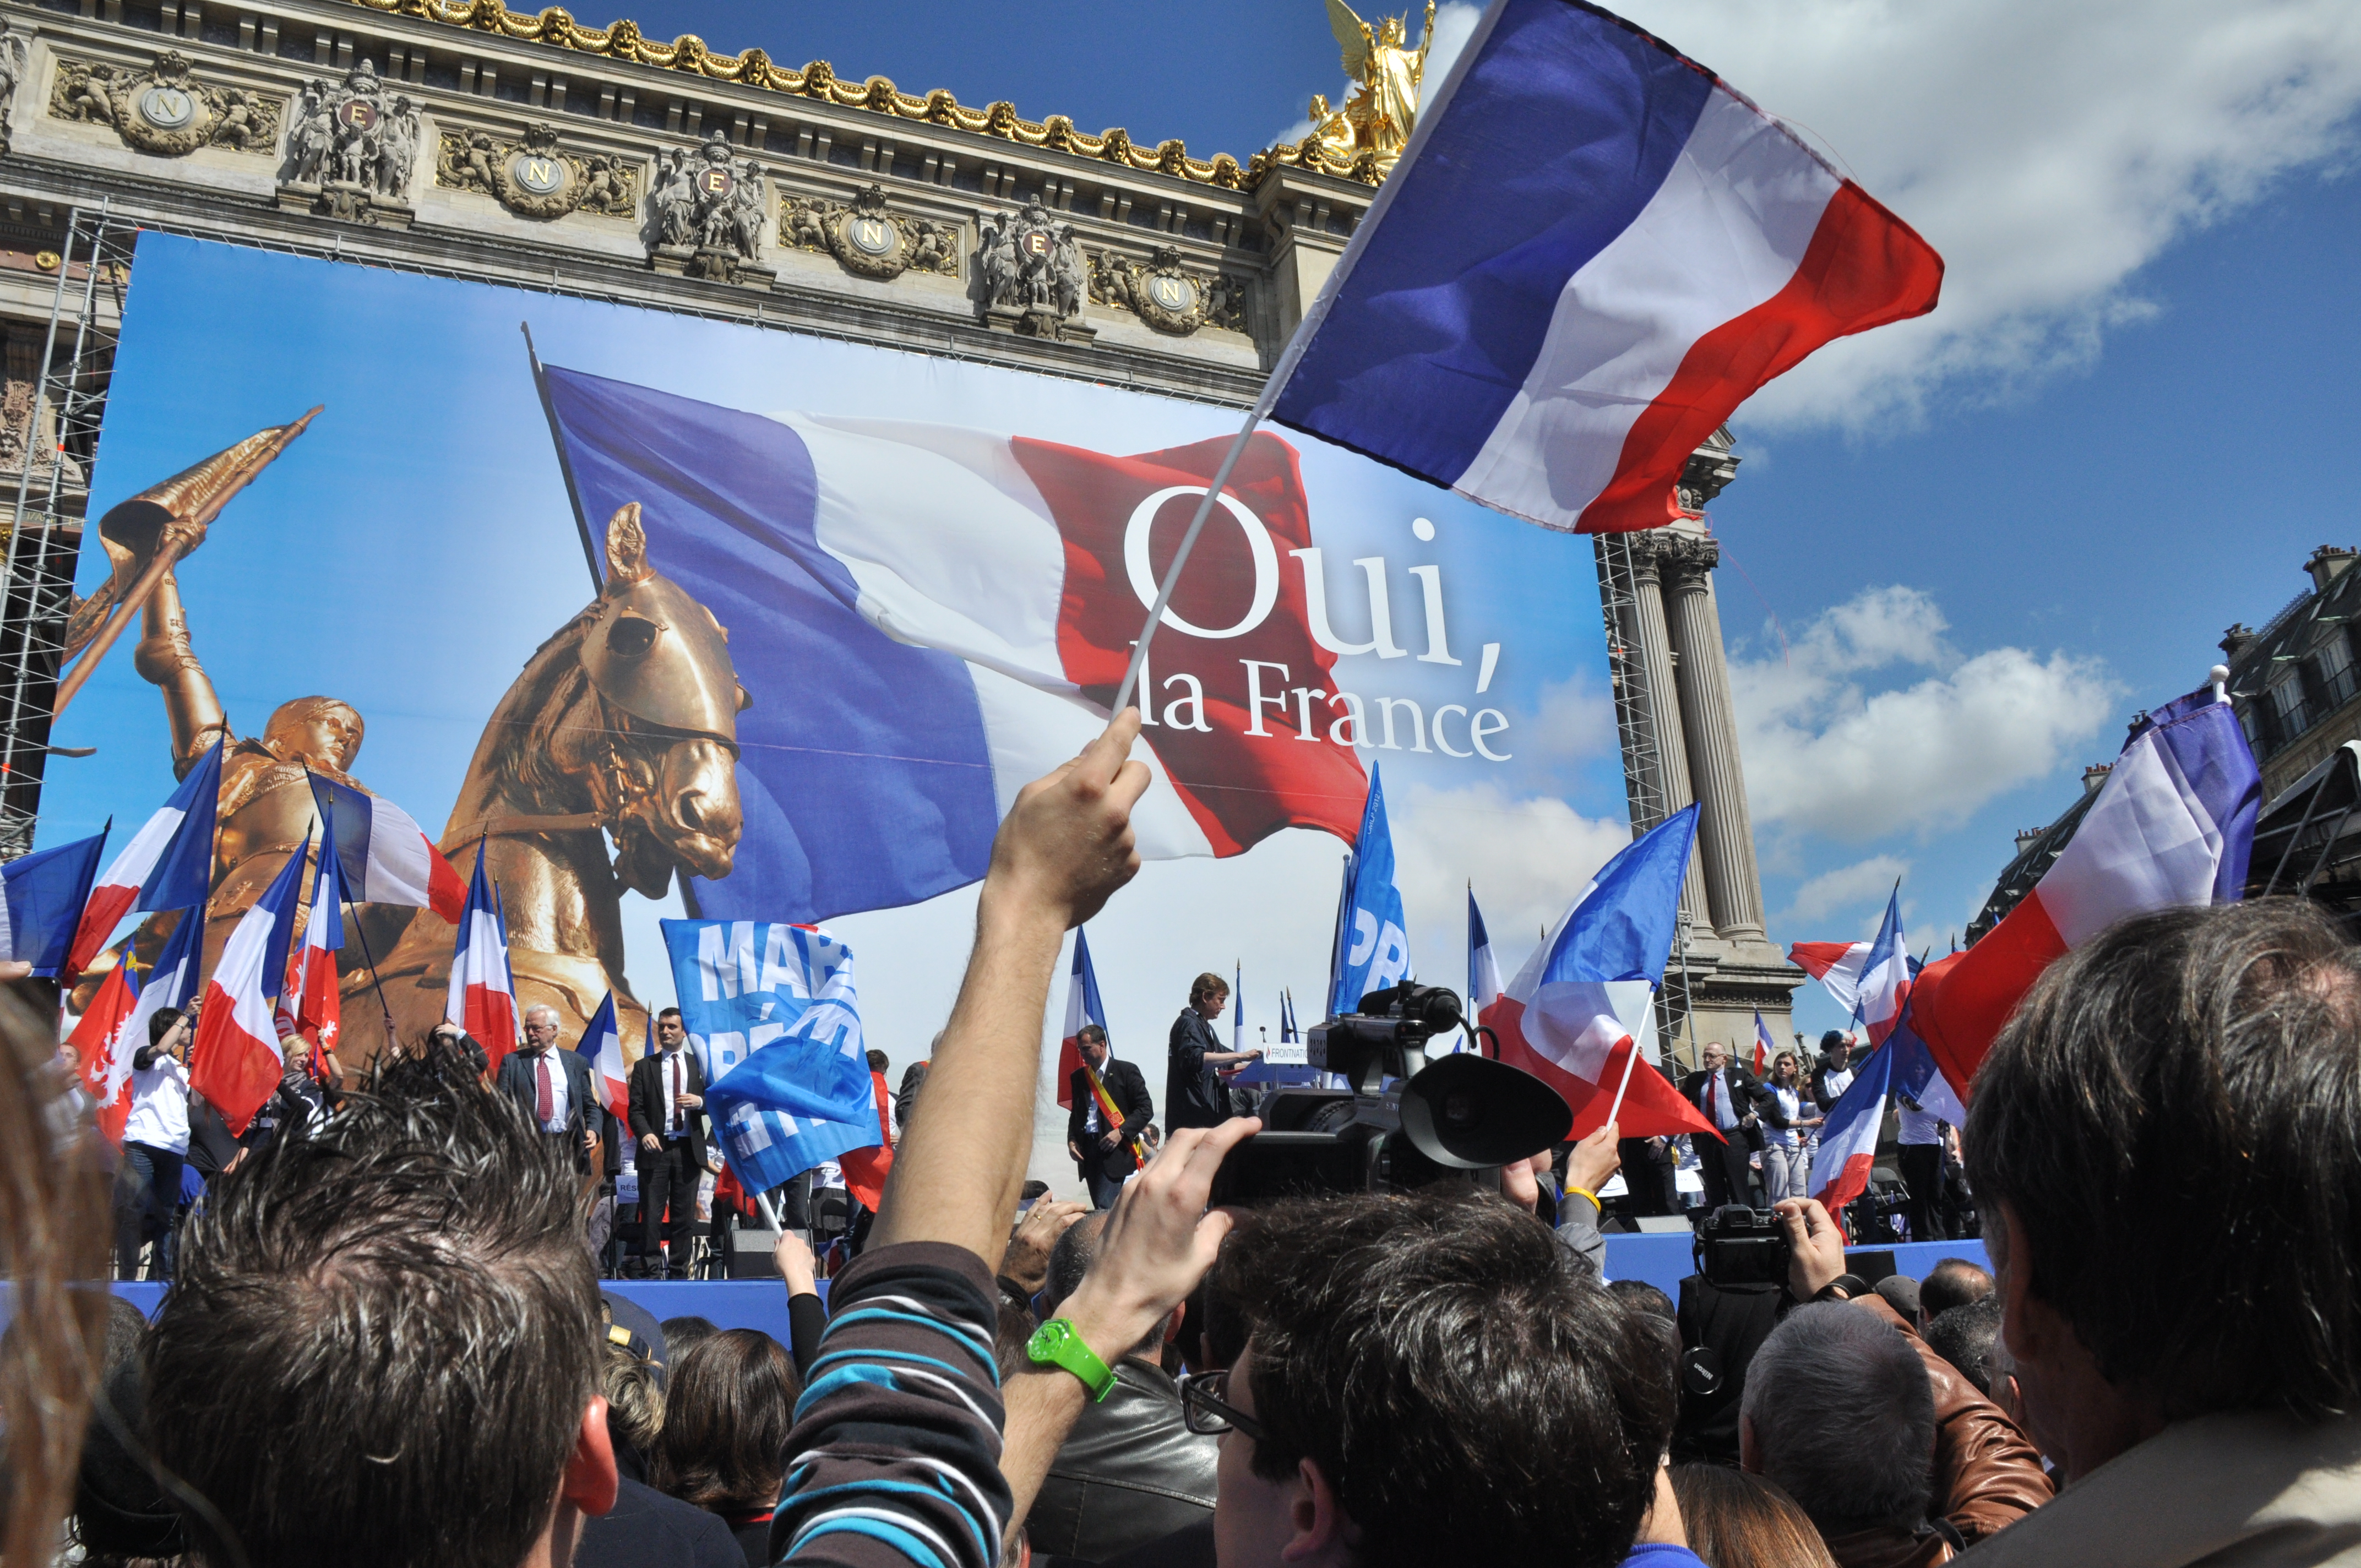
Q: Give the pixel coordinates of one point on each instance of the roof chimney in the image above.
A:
(2237, 639)
(2095, 775)
(2026, 835)
(2327, 563)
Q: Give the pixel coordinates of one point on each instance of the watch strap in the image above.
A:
(1059, 1343)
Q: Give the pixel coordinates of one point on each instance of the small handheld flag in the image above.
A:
(602, 1043)
(482, 996)
(169, 864)
(235, 1062)
(47, 893)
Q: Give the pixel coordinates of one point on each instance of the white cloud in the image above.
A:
(1574, 719)
(2048, 151)
(1865, 882)
(1454, 23)
(1825, 755)
(1526, 857)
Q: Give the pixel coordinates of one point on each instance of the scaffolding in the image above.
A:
(52, 442)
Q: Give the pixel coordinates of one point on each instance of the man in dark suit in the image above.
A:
(1725, 1092)
(668, 1122)
(1103, 1154)
(555, 1089)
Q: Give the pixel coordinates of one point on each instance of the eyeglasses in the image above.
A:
(1206, 1410)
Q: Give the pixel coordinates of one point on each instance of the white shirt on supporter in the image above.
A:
(1791, 1107)
(1918, 1126)
(159, 1107)
(1838, 1083)
(827, 1173)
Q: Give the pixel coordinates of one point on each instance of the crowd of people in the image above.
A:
(385, 1344)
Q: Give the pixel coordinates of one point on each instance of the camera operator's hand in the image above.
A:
(1067, 844)
(1815, 1246)
(1026, 1261)
(1158, 1241)
(1591, 1162)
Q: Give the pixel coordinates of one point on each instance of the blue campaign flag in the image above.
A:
(772, 1014)
(47, 891)
(1374, 943)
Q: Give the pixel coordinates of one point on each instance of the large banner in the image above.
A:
(724, 622)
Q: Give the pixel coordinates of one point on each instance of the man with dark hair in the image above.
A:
(1407, 1357)
(1130, 1471)
(2165, 1143)
(1964, 1337)
(1102, 1153)
(667, 1103)
(382, 1349)
(1954, 1282)
(1194, 1095)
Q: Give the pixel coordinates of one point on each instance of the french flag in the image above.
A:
(926, 617)
(1765, 1048)
(1885, 976)
(602, 1043)
(1083, 1006)
(169, 864)
(47, 893)
(1483, 969)
(172, 981)
(482, 995)
(383, 855)
(312, 1005)
(1592, 251)
(2173, 826)
(103, 1046)
(235, 1062)
(1576, 1014)
(1848, 1150)
(1835, 965)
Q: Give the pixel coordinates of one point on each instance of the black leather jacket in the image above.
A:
(1130, 1472)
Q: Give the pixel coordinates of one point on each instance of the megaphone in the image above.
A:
(1467, 1112)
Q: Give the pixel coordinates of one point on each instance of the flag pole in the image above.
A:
(1630, 1058)
(565, 464)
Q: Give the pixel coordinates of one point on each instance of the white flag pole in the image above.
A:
(1628, 1060)
(1188, 543)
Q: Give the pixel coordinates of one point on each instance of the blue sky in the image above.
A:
(1988, 538)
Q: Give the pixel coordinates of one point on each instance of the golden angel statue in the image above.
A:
(1383, 108)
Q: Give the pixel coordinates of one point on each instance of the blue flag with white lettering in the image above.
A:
(773, 1017)
(1374, 946)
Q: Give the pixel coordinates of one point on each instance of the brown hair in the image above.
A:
(54, 1239)
(725, 1424)
(1207, 985)
(1737, 1521)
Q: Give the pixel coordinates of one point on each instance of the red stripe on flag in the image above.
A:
(492, 1019)
(1818, 957)
(1070, 1062)
(235, 1072)
(446, 891)
(1863, 267)
(1849, 1182)
(1651, 1108)
(1240, 788)
(105, 910)
(1960, 1002)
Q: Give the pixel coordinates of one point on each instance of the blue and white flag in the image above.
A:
(773, 1017)
(47, 892)
(1374, 943)
(1591, 252)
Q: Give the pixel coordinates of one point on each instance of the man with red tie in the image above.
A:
(553, 1086)
(667, 1096)
(1725, 1092)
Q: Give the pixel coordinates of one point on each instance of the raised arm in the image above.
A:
(1065, 847)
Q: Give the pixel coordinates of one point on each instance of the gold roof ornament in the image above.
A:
(624, 40)
(1387, 79)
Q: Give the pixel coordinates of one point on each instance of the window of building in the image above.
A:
(2287, 703)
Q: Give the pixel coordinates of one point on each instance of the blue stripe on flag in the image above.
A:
(1624, 929)
(46, 893)
(1559, 132)
(863, 771)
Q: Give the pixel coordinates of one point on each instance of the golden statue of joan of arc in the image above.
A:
(1383, 109)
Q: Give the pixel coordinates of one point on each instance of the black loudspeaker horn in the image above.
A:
(1467, 1112)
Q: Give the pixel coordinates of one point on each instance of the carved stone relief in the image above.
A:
(14, 60)
(533, 178)
(706, 215)
(1166, 295)
(352, 148)
(1030, 275)
(867, 239)
(164, 109)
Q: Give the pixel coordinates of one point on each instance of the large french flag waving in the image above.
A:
(169, 864)
(234, 1061)
(482, 997)
(46, 893)
(926, 617)
(2173, 826)
(602, 1044)
(384, 856)
(1577, 1013)
(1592, 251)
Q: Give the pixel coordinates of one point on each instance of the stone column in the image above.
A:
(1725, 829)
(1651, 660)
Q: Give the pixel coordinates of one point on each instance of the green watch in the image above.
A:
(1059, 1343)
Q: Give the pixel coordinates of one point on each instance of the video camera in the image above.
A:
(1409, 1121)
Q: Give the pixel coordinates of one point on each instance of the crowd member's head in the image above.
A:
(1737, 1521)
(726, 1416)
(382, 1351)
(670, 1029)
(2166, 1146)
(1642, 1297)
(1954, 1282)
(162, 1025)
(1409, 1356)
(1071, 1258)
(1093, 1043)
(1839, 1412)
(1783, 1072)
(1901, 1293)
(540, 1026)
(466, 1047)
(1835, 1048)
(684, 1333)
(1965, 1336)
(632, 1380)
(1713, 1056)
(879, 1062)
(1209, 993)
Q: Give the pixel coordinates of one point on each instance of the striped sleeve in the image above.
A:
(895, 1456)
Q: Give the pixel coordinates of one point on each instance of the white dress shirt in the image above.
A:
(675, 1077)
(559, 1100)
(1717, 1101)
